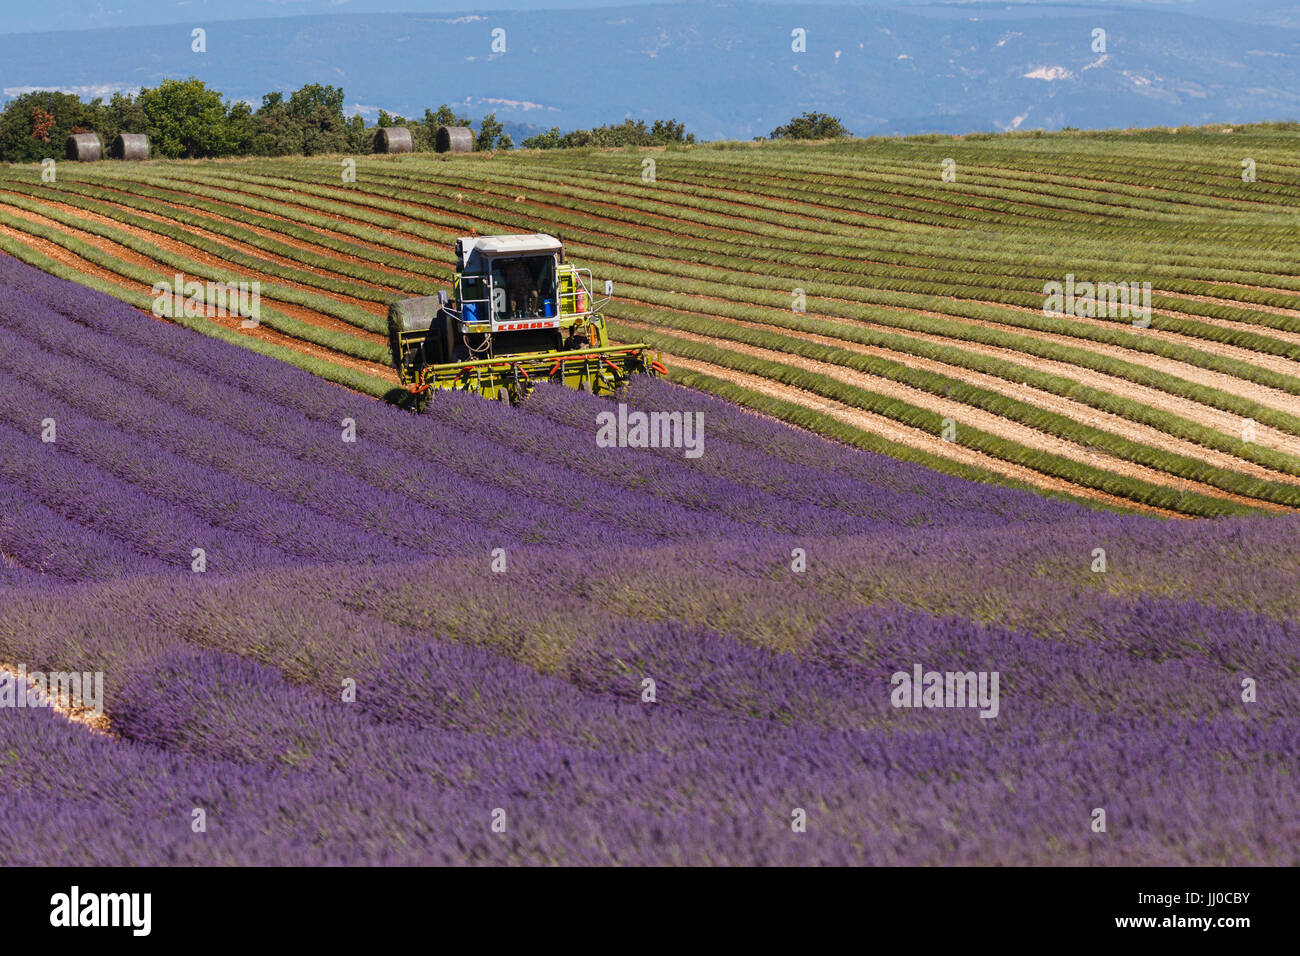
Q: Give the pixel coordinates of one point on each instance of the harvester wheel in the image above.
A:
(430, 352)
(446, 336)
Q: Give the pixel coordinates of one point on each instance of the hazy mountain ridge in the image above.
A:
(725, 70)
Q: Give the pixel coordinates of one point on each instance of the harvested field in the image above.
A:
(843, 263)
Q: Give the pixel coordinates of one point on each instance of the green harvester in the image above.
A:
(518, 314)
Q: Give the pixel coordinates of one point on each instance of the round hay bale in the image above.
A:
(393, 139)
(455, 139)
(84, 147)
(130, 146)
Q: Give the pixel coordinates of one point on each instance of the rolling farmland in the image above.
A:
(518, 692)
(847, 288)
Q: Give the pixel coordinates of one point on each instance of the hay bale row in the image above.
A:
(455, 139)
(87, 147)
(393, 139)
(449, 139)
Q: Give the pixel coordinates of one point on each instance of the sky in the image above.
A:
(25, 16)
(21, 16)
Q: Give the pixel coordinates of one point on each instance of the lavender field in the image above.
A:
(431, 644)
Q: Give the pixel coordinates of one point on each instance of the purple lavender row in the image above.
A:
(447, 449)
(40, 546)
(558, 425)
(96, 499)
(345, 621)
(1020, 796)
(255, 372)
(776, 459)
(99, 414)
(201, 395)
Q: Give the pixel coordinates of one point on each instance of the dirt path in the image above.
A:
(906, 435)
(125, 254)
(1048, 401)
(69, 709)
(179, 248)
(1255, 288)
(978, 418)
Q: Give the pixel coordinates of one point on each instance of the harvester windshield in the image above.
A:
(523, 288)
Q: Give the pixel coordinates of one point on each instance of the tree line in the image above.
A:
(627, 133)
(185, 119)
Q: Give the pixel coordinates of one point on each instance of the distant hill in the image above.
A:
(728, 71)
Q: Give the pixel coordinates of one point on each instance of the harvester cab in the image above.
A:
(517, 314)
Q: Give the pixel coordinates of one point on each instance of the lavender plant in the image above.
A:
(651, 677)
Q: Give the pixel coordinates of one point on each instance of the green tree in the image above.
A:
(491, 134)
(359, 138)
(316, 112)
(28, 136)
(273, 131)
(186, 119)
(122, 114)
(811, 126)
(424, 131)
(250, 132)
(551, 139)
(626, 133)
(445, 116)
(670, 131)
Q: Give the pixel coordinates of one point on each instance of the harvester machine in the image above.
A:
(518, 314)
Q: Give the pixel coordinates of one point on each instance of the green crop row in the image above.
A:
(833, 428)
(998, 338)
(74, 196)
(353, 315)
(270, 317)
(1078, 473)
(1014, 373)
(908, 255)
(1094, 439)
(1031, 289)
(1202, 359)
(254, 193)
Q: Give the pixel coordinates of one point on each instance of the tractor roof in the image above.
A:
(537, 243)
